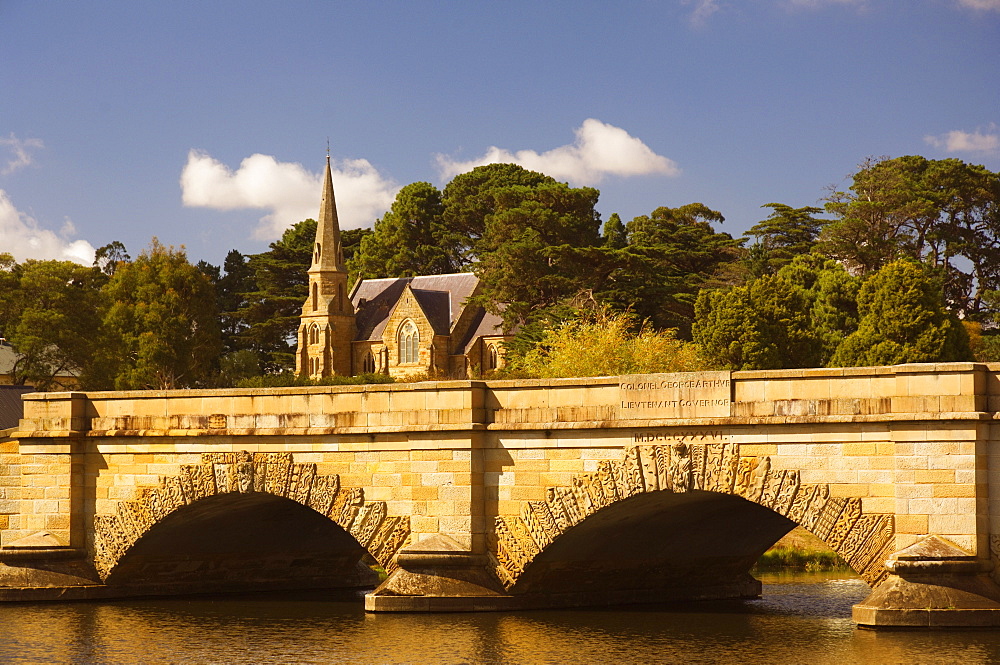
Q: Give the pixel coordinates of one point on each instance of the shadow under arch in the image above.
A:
(245, 520)
(677, 521)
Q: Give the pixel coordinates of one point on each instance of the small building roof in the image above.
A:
(8, 356)
(11, 406)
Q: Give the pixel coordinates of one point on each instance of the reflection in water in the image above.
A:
(799, 620)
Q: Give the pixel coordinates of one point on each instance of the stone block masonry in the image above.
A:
(547, 485)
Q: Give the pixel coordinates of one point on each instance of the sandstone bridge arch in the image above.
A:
(649, 479)
(240, 483)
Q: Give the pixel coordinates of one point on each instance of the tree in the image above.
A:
(161, 322)
(110, 257)
(903, 320)
(525, 253)
(968, 197)
(884, 216)
(469, 200)
(670, 255)
(271, 311)
(943, 212)
(788, 232)
(762, 325)
(410, 239)
(832, 294)
(49, 312)
(614, 233)
(350, 241)
(601, 342)
(236, 280)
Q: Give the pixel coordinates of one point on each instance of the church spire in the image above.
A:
(328, 254)
(327, 325)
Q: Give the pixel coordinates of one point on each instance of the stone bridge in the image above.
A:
(494, 495)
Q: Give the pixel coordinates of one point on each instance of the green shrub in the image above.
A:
(601, 343)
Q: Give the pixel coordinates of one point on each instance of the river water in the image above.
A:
(800, 619)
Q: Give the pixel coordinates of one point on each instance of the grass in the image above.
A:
(800, 550)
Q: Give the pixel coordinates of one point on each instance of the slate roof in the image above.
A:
(8, 356)
(11, 406)
(442, 297)
(485, 325)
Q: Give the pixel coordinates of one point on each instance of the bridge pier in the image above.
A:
(932, 584)
(435, 575)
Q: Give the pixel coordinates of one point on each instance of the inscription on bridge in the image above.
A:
(699, 395)
(683, 436)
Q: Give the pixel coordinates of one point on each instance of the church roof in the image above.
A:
(485, 325)
(442, 298)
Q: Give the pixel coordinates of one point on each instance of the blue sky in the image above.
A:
(206, 123)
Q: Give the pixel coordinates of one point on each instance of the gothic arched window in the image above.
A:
(492, 357)
(314, 334)
(368, 363)
(409, 343)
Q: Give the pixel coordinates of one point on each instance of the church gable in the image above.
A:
(409, 335)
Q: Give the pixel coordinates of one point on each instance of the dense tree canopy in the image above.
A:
(161, 327)
(525, 257)
(470, 200)
(271, 312)
(832, 294)
(668, 256)
(903, 320)
(49, 312)
(762, 325)
(942, 212)
(787, 233)
(410, 239)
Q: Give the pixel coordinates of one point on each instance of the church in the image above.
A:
(403, 327)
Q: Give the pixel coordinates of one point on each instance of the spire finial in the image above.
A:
(327, 148)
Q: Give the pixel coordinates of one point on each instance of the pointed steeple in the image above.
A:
(327, 325)
(328, 254)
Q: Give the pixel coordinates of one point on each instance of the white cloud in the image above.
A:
(959, 141)
(812, 4)
(20, 152)
(23, 238)
(703, 9)
(600, 149)
(982, 5)
(287, 190)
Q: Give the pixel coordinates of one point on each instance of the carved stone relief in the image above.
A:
(245, 472)
(863, 541)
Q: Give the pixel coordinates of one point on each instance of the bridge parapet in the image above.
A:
(260, 412)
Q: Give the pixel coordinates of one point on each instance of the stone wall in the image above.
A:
(911, 442)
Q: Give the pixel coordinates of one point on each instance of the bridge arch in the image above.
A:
(240, 481)
(711, 479)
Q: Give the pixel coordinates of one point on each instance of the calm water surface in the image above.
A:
(803, 619)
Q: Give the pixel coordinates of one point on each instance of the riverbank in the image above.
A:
(800, 550)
